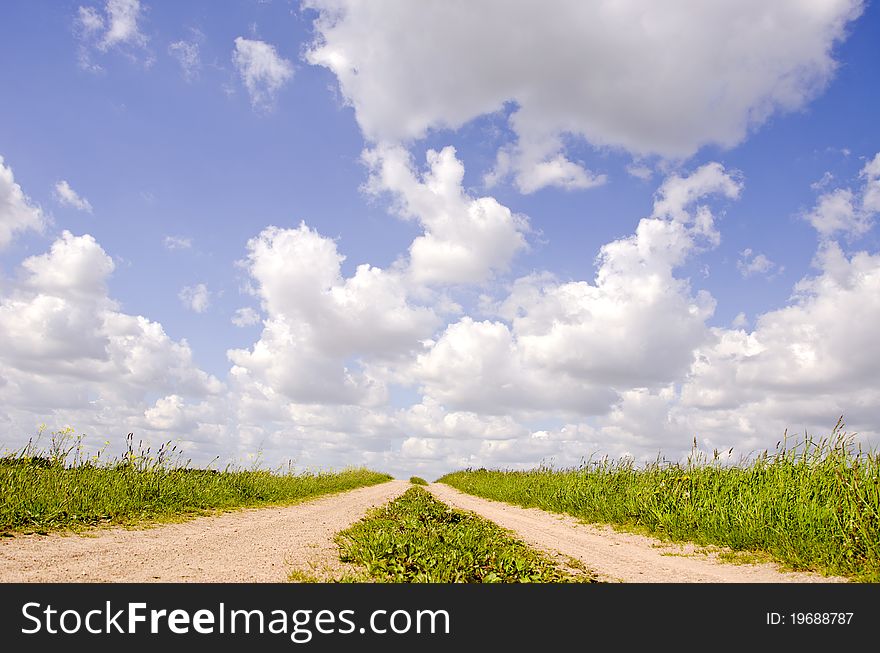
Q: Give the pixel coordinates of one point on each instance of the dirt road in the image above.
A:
(266, 544)
(254, 545)
(616, 556)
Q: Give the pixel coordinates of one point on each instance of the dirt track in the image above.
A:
(254, 545)
(266, 544)
(616, 556)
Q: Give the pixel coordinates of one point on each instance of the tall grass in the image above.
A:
(811, 506)
(59, 486)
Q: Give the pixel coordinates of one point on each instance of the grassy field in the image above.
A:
(60, 488)
(812, 506)
(417, 539)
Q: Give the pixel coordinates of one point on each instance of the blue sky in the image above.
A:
(427, 236)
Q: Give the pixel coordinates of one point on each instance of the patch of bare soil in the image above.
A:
(252, 545)
(615, 556)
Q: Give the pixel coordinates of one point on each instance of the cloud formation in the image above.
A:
(465, 239)
(195, 298)
(651, 79)
(751, 263)
(69, 197)
(263, 71)
(17, 212)
(322, 330)
(187, 55)
(848, 213)
(69, 353)
(116, 28)
(245, 317)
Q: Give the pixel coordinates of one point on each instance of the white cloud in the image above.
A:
(196, 298)
(802, 364)
(541, 166)
(571, 345)
(263, 71)
(117, 28)
(465, 239)
(17, 212)
(826, 179)
(846, 212)
(69, 197)
(90, 21)
(323, 331)
(640, 171)
(245, 317)
(73, 266)
(187, 55)
(871, 192)
(177, 242)
(835, 212)
(677, 193)
(69, 354)
(751, 263)
(482, 368)
(123, 16)
(650, 78)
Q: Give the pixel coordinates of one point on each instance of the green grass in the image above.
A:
(417, 539)
(60, 488)
(814, 506)
(417, 480)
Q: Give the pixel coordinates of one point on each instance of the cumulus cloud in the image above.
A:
(800, 366)
(481, 367)
(751, 263)
(802, 362)
(465, 239)
(116, 28)
(695, 74)
(263, 71)
(17, 212)
(571, 346)
(69, 352)
(69, 197)
(322, 330)
(196, 298)
(843, 211)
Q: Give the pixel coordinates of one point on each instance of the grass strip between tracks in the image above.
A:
(418, 539)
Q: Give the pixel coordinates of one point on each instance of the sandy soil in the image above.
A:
(254, 545)
(616, 556)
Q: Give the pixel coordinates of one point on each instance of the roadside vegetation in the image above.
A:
(811, 506)
(61, 487)
(417, 539)
(417, 480)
